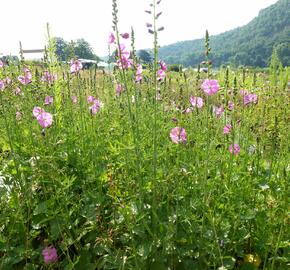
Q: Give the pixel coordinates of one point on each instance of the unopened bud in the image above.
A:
(150, 31)
(160, 29)
(158, 14)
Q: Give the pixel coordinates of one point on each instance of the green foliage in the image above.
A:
(175, 67)
(250, 45)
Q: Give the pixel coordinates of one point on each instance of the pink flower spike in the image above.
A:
(125, 35)
(48, 100)
(178, 135)
(158, 96)
(17, 91)
(119, 89)
(196, 102)
(26, 79)
(90, 99)
(243, 92)
(139, 73)
(2, 85)
(18, 116)
(75, 66)
(47, 77)
(251, 98)
(111, 38)
(37, 111)
(8, 80)
(50, 255)
(219, 111)
(94, 109)
(160, 75)
(210, 87)
(227, 128)
(234, 149)
(74, 99)
(231, 105)
(138, 78)
(45, 119)
(188, 110)
(163, 65)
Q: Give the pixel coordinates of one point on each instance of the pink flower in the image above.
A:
(2, 85)
(227, 128)
(75, 66)
(158, 96)
(111, 38)
(188, 110)
(50, 255)
(96, 107)
(210, 87)
(219, 111)
(231, 105)
(178, 135)
(74, 99)
(90, 99)
(17, 91)
(119, 89)
(37, 111)
(47, 77)
(48, 100)
(251, 98)
(163, 66)
(124, 61)
(26, 79)
(234, 149)
(1, 64)
(18, 116)
(196, 102)
(243, 92)
(160, 75)
(8, 80)
(139, 73)
(45, 119)
(125, 35)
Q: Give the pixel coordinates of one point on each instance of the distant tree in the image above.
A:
(61, 48)
(145, 56)
(84, 50)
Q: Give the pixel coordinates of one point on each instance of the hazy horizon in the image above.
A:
(25, 21)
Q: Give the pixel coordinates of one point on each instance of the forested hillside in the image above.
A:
(250, 45)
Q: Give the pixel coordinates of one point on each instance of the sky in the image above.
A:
(25, 21)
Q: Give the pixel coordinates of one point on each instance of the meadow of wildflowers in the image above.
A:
(143, 168)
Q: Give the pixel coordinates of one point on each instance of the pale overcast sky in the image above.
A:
(91, 20)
